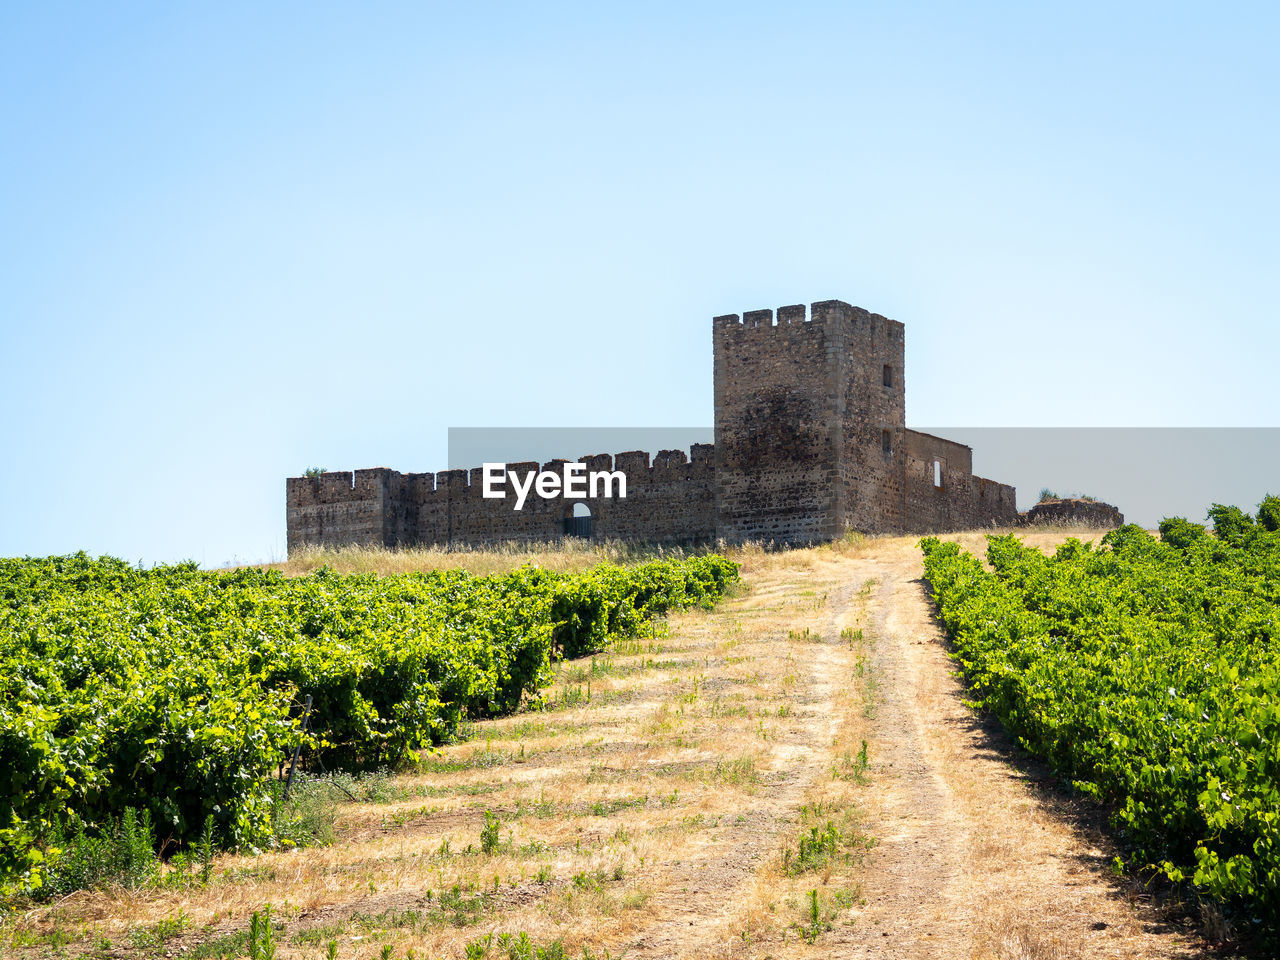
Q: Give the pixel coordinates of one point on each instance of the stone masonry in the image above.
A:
(1073, 512)
(810, 443)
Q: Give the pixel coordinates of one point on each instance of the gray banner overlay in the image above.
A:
(1148, 472)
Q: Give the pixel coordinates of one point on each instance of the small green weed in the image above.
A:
(588, 881)
(817, 923)
(166, 929)
(318, 935)
(122, 853)
(456, 907)
(813, 852)
(230, 947)
(851, 767)
(262, 935)
(489, 834)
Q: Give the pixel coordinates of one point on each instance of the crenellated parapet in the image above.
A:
(829, 316)
(669, 499)
(340, 508)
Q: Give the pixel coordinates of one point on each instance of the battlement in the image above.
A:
(829, 313)
(666, 499)
(347, 486)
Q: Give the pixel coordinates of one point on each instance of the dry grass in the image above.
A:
(1012, 937)
(569, 555)
(562, 556)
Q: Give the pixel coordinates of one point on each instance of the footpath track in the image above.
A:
(976, 857)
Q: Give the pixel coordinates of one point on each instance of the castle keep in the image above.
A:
(810, 442)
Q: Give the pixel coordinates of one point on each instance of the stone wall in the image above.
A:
(943, 494)
(1075, 512)
(873, 418)
(671, 500)
(336, 509)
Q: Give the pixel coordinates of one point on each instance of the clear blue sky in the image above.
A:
(240, 239)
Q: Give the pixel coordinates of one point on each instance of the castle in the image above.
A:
(810, 442)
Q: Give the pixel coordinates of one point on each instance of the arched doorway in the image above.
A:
(577, 522)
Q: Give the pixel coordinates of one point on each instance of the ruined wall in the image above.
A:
(960, 501)
(1075, 512)
(671, 500)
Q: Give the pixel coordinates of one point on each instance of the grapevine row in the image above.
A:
(1147, 672)
(176, 690)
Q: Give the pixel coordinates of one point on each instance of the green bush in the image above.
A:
(1181, 533)
(1269, 513)
(1231, 524)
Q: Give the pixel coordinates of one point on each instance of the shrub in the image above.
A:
(1148, 676)
(1231, 524)
(1181, 533)
(1269, 513)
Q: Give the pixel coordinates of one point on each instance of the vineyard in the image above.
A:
(1147, 672)
(178, 692)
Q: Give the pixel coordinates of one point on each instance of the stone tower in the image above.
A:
(810, 423)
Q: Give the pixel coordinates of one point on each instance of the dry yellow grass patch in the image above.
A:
(560, 556)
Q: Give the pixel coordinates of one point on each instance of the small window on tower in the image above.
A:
(886, 442)
(937, 474)
(888, 375)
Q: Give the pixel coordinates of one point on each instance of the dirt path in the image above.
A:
(698, 914)
(974, 858)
